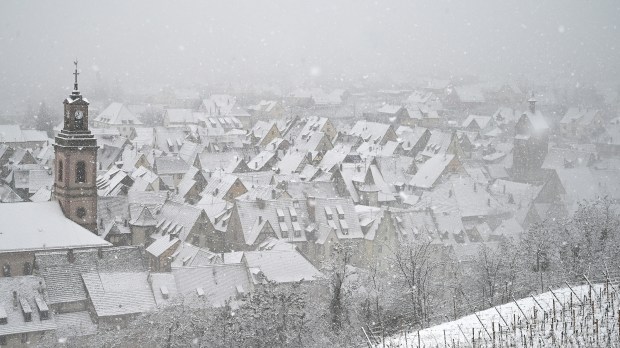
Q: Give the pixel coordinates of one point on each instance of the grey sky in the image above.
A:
(142, 43)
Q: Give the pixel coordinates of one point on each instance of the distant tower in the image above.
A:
(532, 102)
(76, 162)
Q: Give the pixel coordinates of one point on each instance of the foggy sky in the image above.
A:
(182, 43)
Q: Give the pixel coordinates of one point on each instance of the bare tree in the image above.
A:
(417, 265)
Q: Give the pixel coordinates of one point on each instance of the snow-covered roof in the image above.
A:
(119, 293)
(281, 266)
(41, 225)
(117, 114)
(431, 170)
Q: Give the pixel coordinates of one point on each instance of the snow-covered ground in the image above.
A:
(529, 322)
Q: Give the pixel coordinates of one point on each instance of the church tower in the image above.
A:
(76, 162)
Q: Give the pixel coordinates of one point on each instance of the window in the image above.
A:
(27, 268)
(6, 270)
(2, 340)
(340, 212)
(80, 172)
(24, 338)
(60, 169)
(81, 212)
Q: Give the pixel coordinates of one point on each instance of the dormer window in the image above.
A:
(26, 310)
(43, 309)
(164, 292)
(280, 215)
(297, 229)
(200, 292)
(340, 212)
(293, 213)
(3, 316)
(328, 212)
(344, 226)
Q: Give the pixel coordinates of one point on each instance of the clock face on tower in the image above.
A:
(78, 114)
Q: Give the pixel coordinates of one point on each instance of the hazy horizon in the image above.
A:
(141, 44)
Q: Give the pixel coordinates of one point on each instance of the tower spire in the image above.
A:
(532, 102)
(75, 73)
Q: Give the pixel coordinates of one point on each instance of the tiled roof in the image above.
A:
(281, 266)
(463, 195)
(75, 324)
(117, 114)
(161, 245)
(143, 218)
(337, 215)
(27, 288)
(369, 131)
(177, 218)
(431, 171)
(163, 285)
(63, 278)
(170, 165)
(119, 293)
(219, 187)
(218, 283)
(250, 213)
(303, 189)
(291, 162)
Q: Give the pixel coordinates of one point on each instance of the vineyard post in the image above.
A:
(573, 291)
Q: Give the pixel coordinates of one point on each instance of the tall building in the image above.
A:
(531, 144)
(76, 162)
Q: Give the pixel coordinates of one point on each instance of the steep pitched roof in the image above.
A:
(117, 114)
(254, 214)
(337, 215)
(170, 165)
(431, 171)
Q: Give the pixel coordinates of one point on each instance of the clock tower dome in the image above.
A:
(76, 162)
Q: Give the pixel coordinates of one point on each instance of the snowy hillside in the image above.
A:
(581, 315)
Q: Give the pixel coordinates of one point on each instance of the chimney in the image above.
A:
(260, 219)
(70, 256)
(125, 223)
(475, 187)
(15, 298)
(489, 202)
(100, 253)
(273, 194)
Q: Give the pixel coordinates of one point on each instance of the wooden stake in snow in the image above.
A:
(573, 291)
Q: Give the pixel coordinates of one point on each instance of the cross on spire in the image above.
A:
(76, 73)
